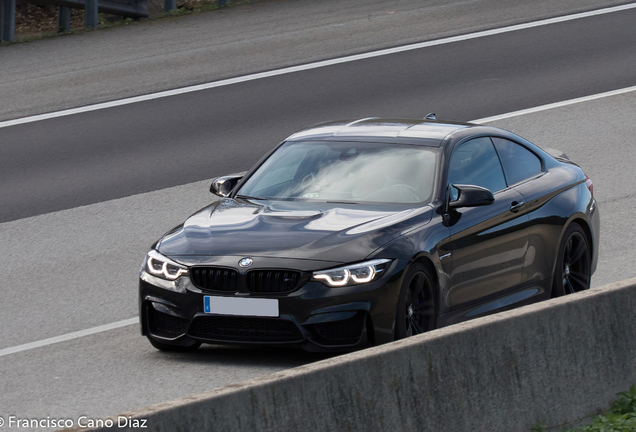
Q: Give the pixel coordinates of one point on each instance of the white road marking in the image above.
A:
(555, 105)
(314, 65)
(68, 336)
(127, 322)
(131, 321)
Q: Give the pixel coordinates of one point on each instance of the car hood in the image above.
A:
(315, 231)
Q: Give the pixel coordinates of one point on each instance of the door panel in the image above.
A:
(488, 243)
(525, 171)
(489, 246)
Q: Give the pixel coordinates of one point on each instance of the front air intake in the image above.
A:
(245, 329)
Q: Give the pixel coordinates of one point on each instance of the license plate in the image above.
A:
(258, 307)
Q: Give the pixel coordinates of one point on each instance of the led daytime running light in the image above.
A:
(348, 274)
(164, 269)
(365, 279)
(332, 282)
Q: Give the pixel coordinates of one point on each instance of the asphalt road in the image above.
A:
(76, 268)
(87, 158)
(150, 56)
(89, 258)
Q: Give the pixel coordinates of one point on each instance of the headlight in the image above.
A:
(352, 274)
(161, 271)
(163, 267)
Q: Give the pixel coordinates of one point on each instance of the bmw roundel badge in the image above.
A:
(246, 262)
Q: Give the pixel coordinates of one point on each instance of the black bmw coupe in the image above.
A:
(368, 231)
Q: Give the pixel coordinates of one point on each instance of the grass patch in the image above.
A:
(620, 418)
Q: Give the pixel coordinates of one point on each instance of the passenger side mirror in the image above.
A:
(222, 186)
(471, 196)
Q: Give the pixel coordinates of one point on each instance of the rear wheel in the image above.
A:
(573, 267)
(416, 304)
(162, 346)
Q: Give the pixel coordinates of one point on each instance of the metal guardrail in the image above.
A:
(7, 20)
(126, 8)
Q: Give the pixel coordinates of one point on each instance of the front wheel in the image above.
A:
(416, 304)
(573, 266)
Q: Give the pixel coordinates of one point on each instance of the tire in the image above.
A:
(572, 272)
(162, 346)
(416, 312)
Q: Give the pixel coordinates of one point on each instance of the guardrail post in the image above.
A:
(169, 5)
(91, 12)
(7, 20)
(64, 21)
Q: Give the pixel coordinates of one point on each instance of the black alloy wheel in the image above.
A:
(161, 346)
(416, 305)
(573, 270)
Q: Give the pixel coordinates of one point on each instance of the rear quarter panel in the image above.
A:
(554, 200)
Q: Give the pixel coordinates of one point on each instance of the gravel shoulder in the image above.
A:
(150, 56)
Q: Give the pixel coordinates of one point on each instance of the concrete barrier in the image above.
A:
(555, 362)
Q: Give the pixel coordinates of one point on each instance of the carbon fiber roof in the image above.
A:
(429, 132)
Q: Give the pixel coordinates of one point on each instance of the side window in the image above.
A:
(518, 162)
(475, 162)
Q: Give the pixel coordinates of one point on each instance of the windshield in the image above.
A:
(345, 172)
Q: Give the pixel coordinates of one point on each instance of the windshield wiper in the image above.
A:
(250, 197)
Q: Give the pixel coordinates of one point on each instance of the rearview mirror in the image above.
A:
(471, 196)
(222, 186)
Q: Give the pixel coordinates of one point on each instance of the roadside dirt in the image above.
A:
(34, 20)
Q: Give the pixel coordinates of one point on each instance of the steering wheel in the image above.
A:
(309, 184)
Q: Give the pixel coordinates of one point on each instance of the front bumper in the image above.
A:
(315, 317)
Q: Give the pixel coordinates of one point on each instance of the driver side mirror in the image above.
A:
(222, 186)
(471, 196)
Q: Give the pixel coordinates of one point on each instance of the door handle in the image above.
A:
(516, 206)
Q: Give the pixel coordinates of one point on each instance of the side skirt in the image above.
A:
(532, 293)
